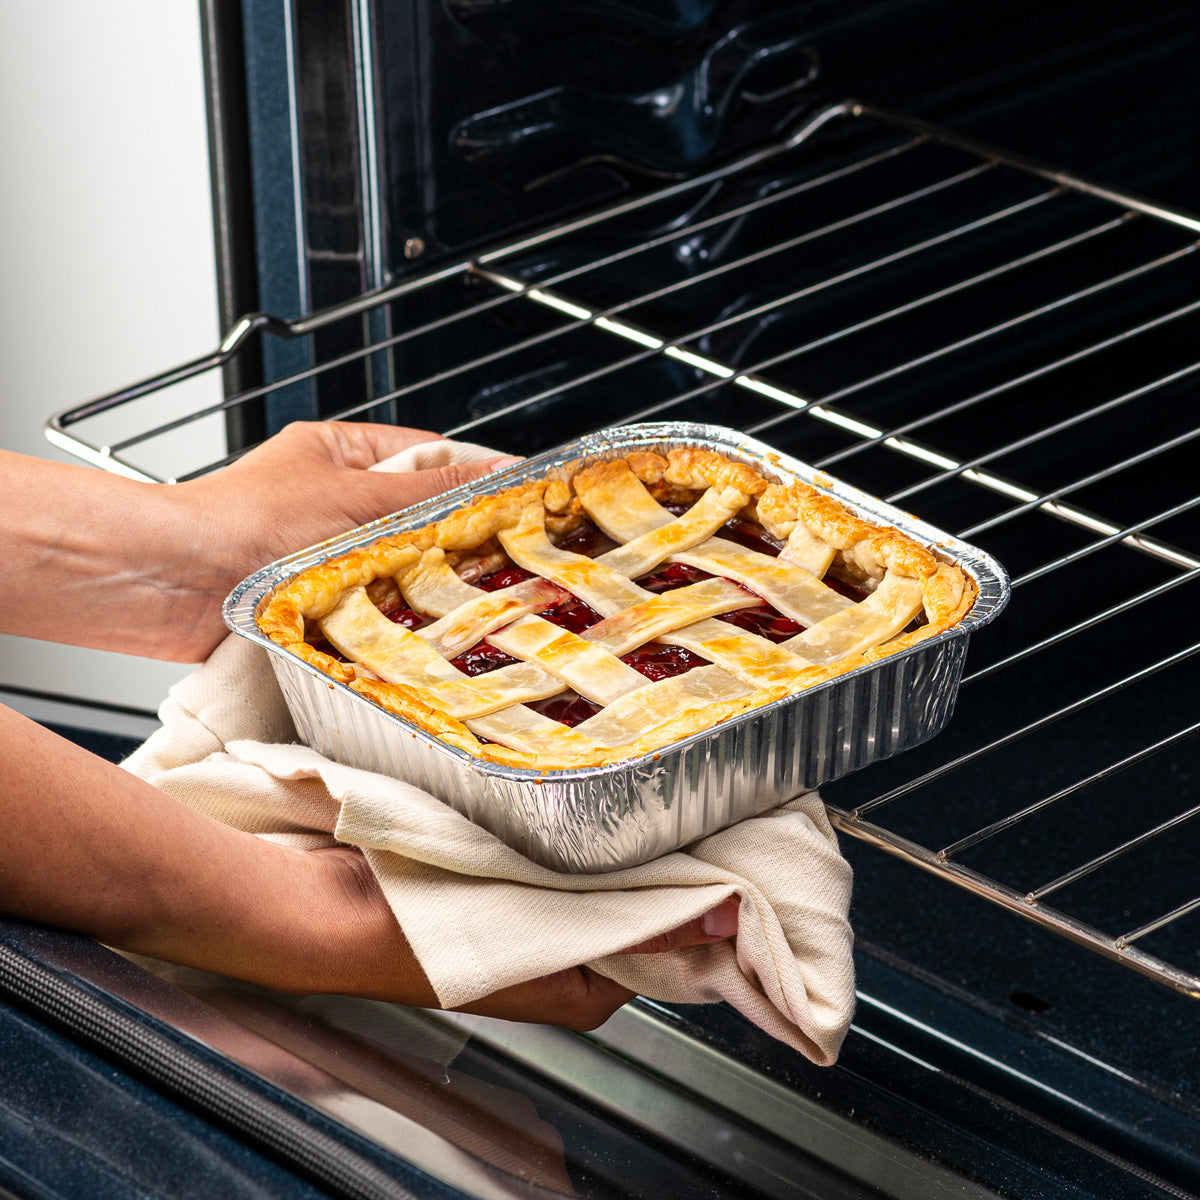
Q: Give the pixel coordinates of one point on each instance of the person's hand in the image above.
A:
(375, 960)
(580, 998)
(91, 848)
(311, 481)
(307, 483)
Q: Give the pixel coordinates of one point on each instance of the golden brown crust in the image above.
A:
(325, 663)
(647, 465)
(601, 475)
(693, 468)
(863, 553)
(408, 703)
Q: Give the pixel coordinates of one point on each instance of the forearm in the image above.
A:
(92, 849)
(95, 559)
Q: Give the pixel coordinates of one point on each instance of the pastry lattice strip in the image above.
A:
(554, 658)
(494, 705)
(621, 506)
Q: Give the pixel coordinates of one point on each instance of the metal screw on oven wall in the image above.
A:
(414, 247)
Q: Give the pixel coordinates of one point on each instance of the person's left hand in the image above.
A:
(307, 483)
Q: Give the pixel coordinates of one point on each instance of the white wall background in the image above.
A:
(106, 247)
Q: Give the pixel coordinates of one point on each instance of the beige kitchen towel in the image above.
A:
(480, 916)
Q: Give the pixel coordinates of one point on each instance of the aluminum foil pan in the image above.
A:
(605, 818)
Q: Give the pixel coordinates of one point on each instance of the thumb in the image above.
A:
(384, 491)
(716, 925)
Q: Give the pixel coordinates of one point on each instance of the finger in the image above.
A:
(385, 492)
(364, 443)
(716, 925)
(577, 998)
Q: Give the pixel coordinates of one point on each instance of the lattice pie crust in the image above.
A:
(673, 518)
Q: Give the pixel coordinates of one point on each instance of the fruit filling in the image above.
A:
(656, 660)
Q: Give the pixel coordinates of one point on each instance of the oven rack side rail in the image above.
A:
(110, 456)
(774, 387)
(1121, 948)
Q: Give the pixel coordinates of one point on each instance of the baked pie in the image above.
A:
(615, 609)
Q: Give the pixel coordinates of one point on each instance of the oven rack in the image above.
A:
(1003, 346)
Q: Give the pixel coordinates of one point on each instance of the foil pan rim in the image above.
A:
(990, 578)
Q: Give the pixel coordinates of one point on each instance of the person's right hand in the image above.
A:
(577, 998)
(582, 999)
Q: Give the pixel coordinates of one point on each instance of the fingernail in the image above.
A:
(721, 921)
(498, 464)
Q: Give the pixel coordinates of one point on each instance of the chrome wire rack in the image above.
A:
(1005, 348)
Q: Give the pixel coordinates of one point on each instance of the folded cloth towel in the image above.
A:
(478, 915)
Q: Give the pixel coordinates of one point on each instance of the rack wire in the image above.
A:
(1006, 348)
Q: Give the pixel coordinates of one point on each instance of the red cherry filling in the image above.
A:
(587, 539)
(765, 621)
(846, 589)
(573, 615)
(762, 619)
(655, 660)
(568, 708)
(405, 617)
(482, 658)
(502, 579)
(751, 535)
(672, 576)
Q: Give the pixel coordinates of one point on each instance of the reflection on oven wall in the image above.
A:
(106, 240)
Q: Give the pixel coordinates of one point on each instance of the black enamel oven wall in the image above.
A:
(358, 141)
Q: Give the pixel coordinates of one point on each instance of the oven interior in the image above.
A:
(514, 222)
